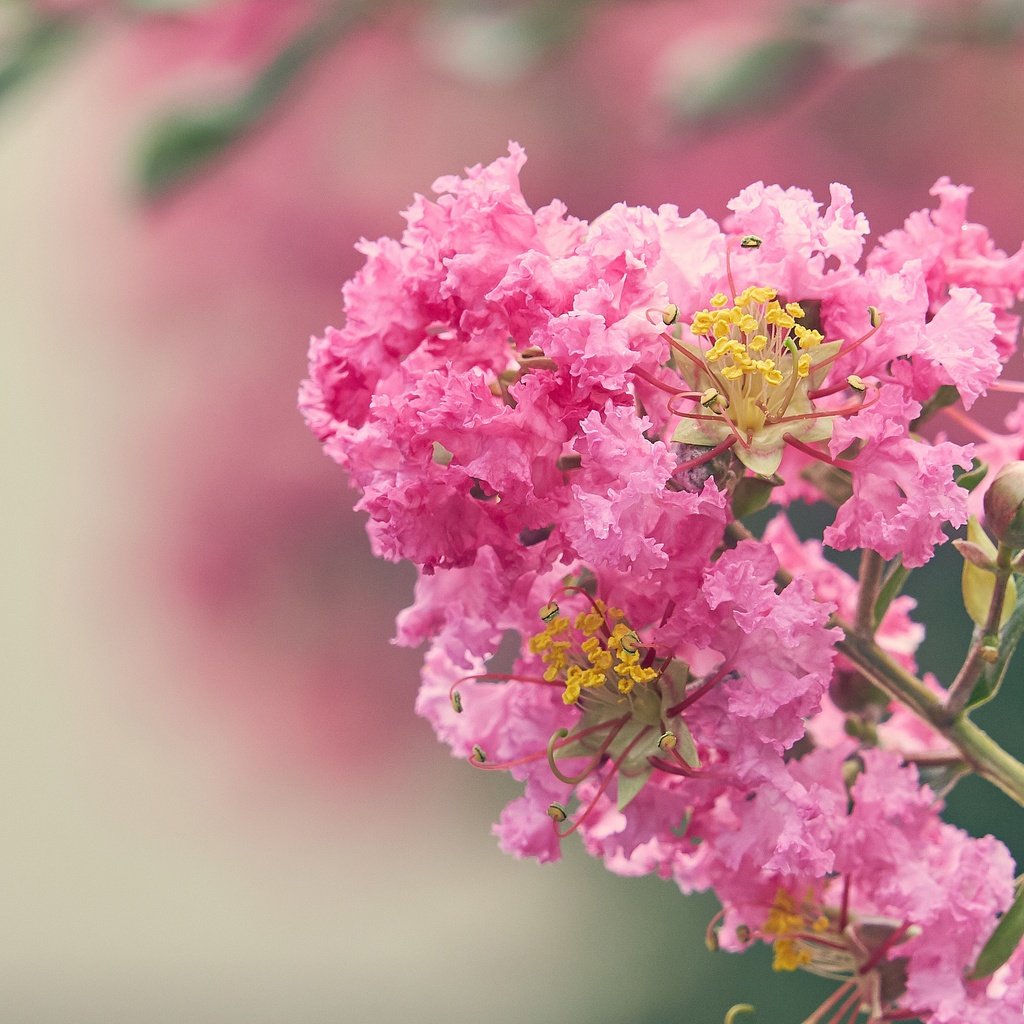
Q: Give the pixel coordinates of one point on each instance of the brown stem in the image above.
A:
(980, 752)
(871, 565)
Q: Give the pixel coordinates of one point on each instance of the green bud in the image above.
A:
(1004, 505)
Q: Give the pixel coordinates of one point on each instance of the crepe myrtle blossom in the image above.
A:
(841, 862)
(603, 711)
(486, 349)
(902, 913)
(563, 424)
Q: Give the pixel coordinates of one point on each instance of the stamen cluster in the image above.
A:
(611, 661)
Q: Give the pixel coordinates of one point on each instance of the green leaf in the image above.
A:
(756, 79)
(40, 43)
(970, 479)
(891, 588)
(1003, 941)
(183, 142)
(944, 396)
(165, 6)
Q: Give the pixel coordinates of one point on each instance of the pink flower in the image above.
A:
(552, 420)
(955, 252)
(903, 490)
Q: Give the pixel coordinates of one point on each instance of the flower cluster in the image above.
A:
(562, 426)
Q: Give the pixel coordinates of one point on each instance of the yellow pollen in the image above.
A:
(779, 318)
(766, 367)
(588, 623)
(761, 362)
(623, 638)
(701, 323)
(807, 337)
(789, 955)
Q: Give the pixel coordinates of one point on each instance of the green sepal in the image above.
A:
(629, 784)
(684, 743)
(752, 494)
(978, 584)
(183, 142)
(1003, 941)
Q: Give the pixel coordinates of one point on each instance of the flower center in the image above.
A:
(758, 357)
(752, 367)
(821, 941)
(595, 659)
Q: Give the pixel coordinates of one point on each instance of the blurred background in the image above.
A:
(217, 802)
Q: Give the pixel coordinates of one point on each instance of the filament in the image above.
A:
(696, 695)
(561, 738)
(707, 456)
(807, 449)
(616, 765)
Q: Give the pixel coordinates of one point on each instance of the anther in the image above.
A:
(874, 316)
(478, 754)
(670, 314)
(457, 701)
(557, 813)
(667, 741)
(549, 612)
(743, 933)
(750, 242)
(856, 382)
(711, 399)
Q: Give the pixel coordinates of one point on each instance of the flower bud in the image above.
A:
(1004, 505)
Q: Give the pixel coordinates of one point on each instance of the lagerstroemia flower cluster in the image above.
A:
(562, 425)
